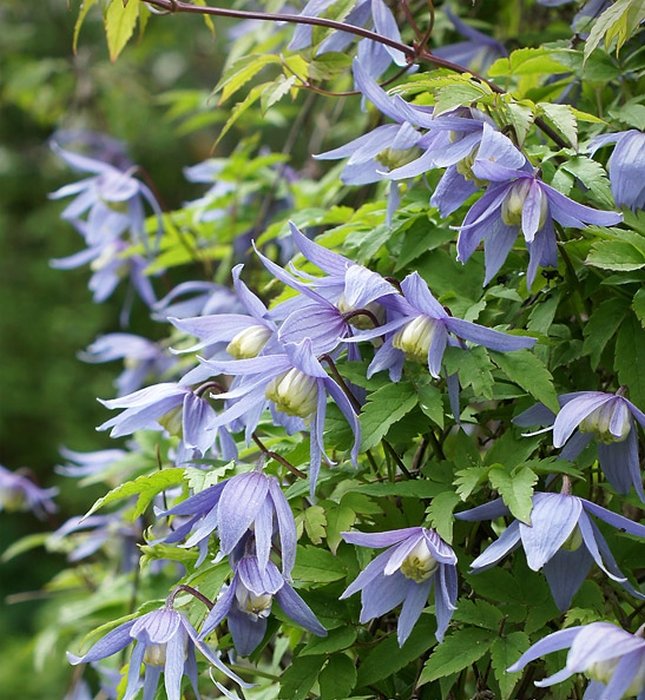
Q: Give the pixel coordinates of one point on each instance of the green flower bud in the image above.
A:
(249, 342)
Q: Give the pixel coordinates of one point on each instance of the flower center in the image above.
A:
(294, 393)
(574, 541)
(599, 420)
(393, 158)
(248, 342)
(255, 606)
(419, 565)
(360, 321)
(172, 421)
(155, 654)
(602, 671)
(513, 204)
(415, 338)
(12, 499)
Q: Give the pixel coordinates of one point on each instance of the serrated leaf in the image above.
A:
(338, 678)
(431, 403)
(440, 511)
(458, 94)
(638, 305)
(146, 487)
(467, 480)
(516, 490)
(385, 407)
(630, 358)
(563, 119)
(479, 613)
(456, 652)
(473, 366)
(315, 523)
(314, 565)
(601, 328)
(120, 22)
(336, 640)
(604, 25)
(254, 95)
(528, 61)
(505, 652)
(339, 519)
(298, 679)
(82, 14)
(241, 72)
(528, 371)
(616, 254)
(593, 176)
(276, 90)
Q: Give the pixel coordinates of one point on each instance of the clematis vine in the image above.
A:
(416, 559)
(18, 492)
(613, 659)
(609, 419)
(561, 539)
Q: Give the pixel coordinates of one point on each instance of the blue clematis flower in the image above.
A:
(610, 419)
(246, 603)
(250, 502)
(164, 641)
(83, 464)
(416, 559)
(613, 659)
(626, 166)
(18, 492)
(561, 539)
(295, 386)
(196, 298)
(518, 201)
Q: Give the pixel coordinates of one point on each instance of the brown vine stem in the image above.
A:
(412, 53)
(278, 458)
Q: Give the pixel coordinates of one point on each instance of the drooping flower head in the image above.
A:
(609, 419)
(561, 539)
(518, 201)
(416, 559)
(164, 641)
(613, 659)
(18, 492)
(246, 503)
(246, 602)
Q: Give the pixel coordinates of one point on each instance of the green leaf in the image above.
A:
(467, 480)
(601, 328)
(338, 678)
(146, 487)
(528, 61)
(638, 305)
(314, 565)
(528, 371)
(505, 652)
(385, 407)
(593, 176)
(336, 640)
(473, 367)
(479, 613)
(240, 72)
(516, 490)
(456, 652)
(440, 513)
(340, 518)
(431, 403)
(414, 488)
(386, 658)
(254, 95)
(276, 90)
(630, 358)
(24, 544)
(611, 22)
(563, 119)
(298, 679)
(315, 523)
(459, 94)
(120, 22)
(82, 13)
(616, 254)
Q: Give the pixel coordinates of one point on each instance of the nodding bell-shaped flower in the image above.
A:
(415, 338)
(416, 559)
(18, 492)
(246, 602)
(613, 659)
(164, 641)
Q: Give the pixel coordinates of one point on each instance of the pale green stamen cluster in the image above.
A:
(419, 565)
(415, 338)
(294, 393)
(249, 342)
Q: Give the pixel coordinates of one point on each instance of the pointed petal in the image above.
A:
(110, 644)
(489, 338)
(221, 608)
(247, 632)
(574, 412)
(382, 594)
(552, 642)
(507, 542)
(369, 573)
(136, 659)
(565, 572)
(413, 605)
(286, 526)
(263, 528)
(241, 499)
(619, 461)
(618, 521)
(174, 666)
(487, 511)
(591, 537)
(376, 540)
(295, 608)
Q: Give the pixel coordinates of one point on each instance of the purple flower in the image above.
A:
(18, 492)
(143, 358)
(609, 418)
(416, 559)
(203, 298)
(88, 463)
(164, 640)
(613, 659)
(247, 602)
(421, 330)
(518, 201)
(247, 335)
(176, 408)
(247, 502)
(626, 166)
(561, 538)
(295, 386)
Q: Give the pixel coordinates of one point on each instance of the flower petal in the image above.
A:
(240, 501)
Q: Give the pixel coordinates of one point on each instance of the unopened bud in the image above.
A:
(294, 393)
(249, 342)
(419, 565)
(415, 338)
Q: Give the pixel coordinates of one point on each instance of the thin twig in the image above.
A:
(278, 458)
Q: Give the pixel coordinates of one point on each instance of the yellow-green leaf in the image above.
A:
(120, 22)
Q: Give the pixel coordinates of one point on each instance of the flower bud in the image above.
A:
(415, 338)
(294, 393)
(513, 204)
(599, 420)
(249, 342)
(256, 606)
(419, 565)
